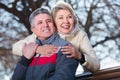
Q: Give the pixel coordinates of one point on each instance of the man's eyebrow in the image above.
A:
(49, 19)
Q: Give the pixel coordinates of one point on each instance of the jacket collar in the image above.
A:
(47, 41)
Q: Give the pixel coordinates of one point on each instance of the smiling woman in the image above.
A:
(68, 29)
(64, 21)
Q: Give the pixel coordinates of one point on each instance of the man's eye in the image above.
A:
(49, 20)
(39, 22)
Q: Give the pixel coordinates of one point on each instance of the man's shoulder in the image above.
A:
(65, 41)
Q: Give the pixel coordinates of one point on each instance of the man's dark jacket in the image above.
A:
(55, 67)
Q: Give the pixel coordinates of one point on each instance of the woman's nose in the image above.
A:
(66, 20)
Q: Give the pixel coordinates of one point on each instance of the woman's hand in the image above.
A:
(29, 50)
(46, 50)
(71, 52)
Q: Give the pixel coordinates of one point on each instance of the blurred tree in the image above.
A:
(21, 9)
(14, 25)
(99, 18)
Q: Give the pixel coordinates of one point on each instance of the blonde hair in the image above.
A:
(60, 5)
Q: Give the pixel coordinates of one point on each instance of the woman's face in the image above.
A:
(64, 21)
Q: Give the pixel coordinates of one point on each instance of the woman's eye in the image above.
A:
(70, 17)
(60, 18)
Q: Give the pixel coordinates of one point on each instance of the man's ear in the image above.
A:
(32, 29)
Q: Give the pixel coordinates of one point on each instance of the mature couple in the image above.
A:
(46, 56)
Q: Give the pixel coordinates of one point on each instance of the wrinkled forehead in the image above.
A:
(37, 12)
(43, 16)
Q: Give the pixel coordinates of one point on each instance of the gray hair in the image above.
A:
(36, 12)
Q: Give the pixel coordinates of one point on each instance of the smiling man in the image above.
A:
(33, 66)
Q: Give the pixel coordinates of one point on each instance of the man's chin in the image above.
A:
(47, 35)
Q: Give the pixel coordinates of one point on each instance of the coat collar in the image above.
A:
(71, 34)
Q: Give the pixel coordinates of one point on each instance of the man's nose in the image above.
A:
(46, 24)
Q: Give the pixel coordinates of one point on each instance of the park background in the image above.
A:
(99, 18)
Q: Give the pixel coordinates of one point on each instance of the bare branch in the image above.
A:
(106, 39)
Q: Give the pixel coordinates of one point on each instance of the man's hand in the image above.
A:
(29, 50)
(46, 50)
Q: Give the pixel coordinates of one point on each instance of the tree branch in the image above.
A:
(106, 39)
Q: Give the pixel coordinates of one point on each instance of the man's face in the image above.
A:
(43, 26)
